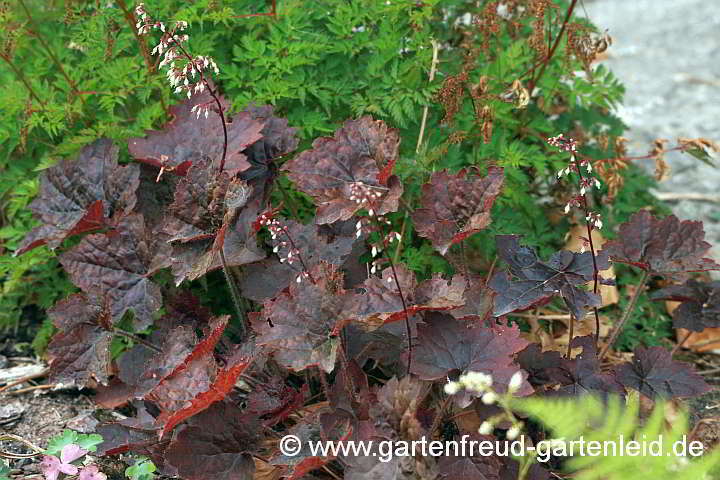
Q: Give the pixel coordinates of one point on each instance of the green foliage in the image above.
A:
(88, 442)
(85, 74)
(143, 469)
(4, 470)
(594, 420)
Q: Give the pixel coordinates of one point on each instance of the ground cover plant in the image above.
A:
(277, 242)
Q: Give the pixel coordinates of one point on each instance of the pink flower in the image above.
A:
(52, 466)
(91, 472)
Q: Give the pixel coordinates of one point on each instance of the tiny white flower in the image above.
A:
(371, 212)
(451, 388)
(374, 251)
(589, 167)
(567, 208)
(206, 113)
(298, 279)
(489, 398)
(597, 183)
(582, 191)
(486, 428)
(390, 279)
(513, 433)
(358, 225)
(515, 382)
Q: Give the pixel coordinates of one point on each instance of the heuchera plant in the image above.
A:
(318, 348)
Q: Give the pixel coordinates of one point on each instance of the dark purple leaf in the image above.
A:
(300, 326)
(655, 374)
(700, 307)
(119, 264)
(79, 195)
(316, 243)
(662, 246)
(354, 158)
(80, 351)
(216, 444)
(456, 206)
(187, 139)
(449, 346)
(537, 281)
(377, 301)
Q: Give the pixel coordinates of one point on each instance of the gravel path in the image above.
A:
(667, 54)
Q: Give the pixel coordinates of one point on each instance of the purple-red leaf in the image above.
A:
(300, 325)
(662, 246)
(197, 382)
(188, 139)
(563, 274)
(80, 351)
(315, 243)
(700, 307)
(78, 196)
(653, 373)
(216, 444)
(456, 206)
(200, 210)
(447, 346)
(354, 159)
(478, 304)
(277, 140)
(377, 301)
(119, 264)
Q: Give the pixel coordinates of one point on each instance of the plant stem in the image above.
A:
(49, 51)
(8, 436)
(626, 314)
(212, 93)
(570, 336)
(592, 252)
(302, 262)
(440, 414)
(533, 81)
(681, 343)
(136, 339)
(142, 44)
(407, 315)
(433, 69)
(273, 12)
(22, 78)
(234, 293)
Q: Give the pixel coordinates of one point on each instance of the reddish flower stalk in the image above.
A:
(267, 220)
(592, 219)
(170, 44)
(364, 195)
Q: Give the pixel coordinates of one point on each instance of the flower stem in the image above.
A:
(407, 315)
(586, 208)
(212, 93)
(681, 343)
(626, 314)
(234, 292)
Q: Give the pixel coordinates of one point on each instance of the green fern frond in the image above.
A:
(614, 423)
